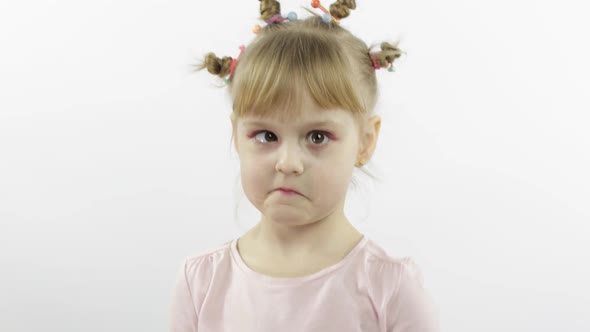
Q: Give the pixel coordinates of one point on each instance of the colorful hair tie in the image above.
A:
(327, 18)
(376, 65)
(292, 16)
(232, 67)
(276, 19)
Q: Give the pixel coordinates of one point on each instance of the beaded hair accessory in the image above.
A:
(327, 18)
(292, 16)
(377, 66)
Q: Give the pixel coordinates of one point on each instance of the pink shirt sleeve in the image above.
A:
(183, 316)
(411, 309)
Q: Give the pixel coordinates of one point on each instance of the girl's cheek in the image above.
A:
(255, 159)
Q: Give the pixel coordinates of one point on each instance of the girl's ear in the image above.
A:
(369, 138)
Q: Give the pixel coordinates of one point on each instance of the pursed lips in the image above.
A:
(288, 190)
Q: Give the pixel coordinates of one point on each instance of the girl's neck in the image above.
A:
(332, 236)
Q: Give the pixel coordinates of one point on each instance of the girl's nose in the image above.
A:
(289, 160)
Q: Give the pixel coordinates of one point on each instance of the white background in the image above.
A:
(116, 163)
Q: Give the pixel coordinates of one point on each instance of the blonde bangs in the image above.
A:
(281, 66)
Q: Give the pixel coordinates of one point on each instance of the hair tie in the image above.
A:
(292, 16)
(375, 62)
(276, 19)
(232, 67)
(376, 65)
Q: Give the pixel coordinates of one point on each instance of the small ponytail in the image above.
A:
(387, 55)
(341, 8)
(269, 8)
(216, 66)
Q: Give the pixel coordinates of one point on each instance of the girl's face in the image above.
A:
(313, 155)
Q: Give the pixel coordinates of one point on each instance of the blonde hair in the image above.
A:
(290, 59)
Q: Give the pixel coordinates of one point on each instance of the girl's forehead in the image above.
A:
(303, 118)
(310, 123)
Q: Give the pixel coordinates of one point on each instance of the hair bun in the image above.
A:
(391, 52)
(341, 8)
(269, 8)
(216, 66)
(387, 55)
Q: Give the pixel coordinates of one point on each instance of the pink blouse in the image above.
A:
(366, 291)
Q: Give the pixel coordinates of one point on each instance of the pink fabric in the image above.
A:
(366, 291)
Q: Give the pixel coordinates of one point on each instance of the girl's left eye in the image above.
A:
(319, 136)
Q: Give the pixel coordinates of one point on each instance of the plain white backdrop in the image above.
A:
(116, 163)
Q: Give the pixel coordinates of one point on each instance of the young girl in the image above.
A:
(303, 96)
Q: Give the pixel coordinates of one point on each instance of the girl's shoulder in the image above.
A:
(397, 284)
(380, 258)
(202, 265)
(389, 272)
(211, 253)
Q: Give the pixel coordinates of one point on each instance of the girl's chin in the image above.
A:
(287, 215)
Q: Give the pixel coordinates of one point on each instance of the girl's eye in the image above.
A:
(264, 136)
(315, 137)
(318, 136)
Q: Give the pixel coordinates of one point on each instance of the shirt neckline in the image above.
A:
(287, 281)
